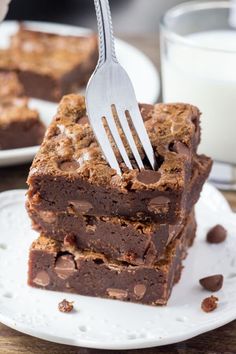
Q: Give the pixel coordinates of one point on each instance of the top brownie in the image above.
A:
(70, 170)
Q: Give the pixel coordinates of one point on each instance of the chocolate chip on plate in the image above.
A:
(209, 303)
(212, 283)
(148, 177)
(216, 234)
(65, 306)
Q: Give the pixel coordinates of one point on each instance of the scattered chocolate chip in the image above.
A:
(210, 303)
(69, 166)
(139, 290)
(81, 206)
(156, 204)
(42, 278)
(65, 266)
(148, 177)
(118, 294)
(69, 240)
(212, 283)
(65, 306)
(217, 234)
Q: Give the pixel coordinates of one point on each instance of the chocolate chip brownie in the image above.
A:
(70, 169)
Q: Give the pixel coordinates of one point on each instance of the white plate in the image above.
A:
(111, 324)
(142, 72)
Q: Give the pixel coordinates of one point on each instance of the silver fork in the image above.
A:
(108, 87)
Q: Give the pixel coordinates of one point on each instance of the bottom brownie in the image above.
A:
(54, 266)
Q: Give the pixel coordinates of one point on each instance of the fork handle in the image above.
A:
(106, 39)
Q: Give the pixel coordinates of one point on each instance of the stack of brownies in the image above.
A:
(105, 235)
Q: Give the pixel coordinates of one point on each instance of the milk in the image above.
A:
(206, 78)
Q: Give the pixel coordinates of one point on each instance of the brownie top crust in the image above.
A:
(70, 150)
(47, 53)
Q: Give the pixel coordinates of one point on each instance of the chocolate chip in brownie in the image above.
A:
(69, 240)
(158, 203)
(83, 120)
(148, 177)
(65, 306)
(81, 206)
(69, 166)
(210, 303)
(216, 234)
(118, 294)
(47, 216)
(140, 290)
(212, 283)
(179, 148)
(42, 278)
(65, 266)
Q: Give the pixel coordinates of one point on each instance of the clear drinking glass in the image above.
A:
(198, 52)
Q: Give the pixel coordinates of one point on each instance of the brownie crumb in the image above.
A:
(212, 283)
(209, 303)
(216, 234)
(65, 306)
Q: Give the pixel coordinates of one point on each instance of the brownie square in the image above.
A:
(50, 65)
(55, 266)
(70, 169)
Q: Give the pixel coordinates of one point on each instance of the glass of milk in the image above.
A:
(198, 50)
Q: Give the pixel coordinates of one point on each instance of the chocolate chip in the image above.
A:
(148, 177)
(69, 166)
(119, 294)
(81, 206)
(212, 283)
(217, 234)
(69, 240)
(180, 148)
(65, 266)
(156, 204)
(139, 290)
(47, 216)
(42, 278)
(209, 304)
(65, 306)
(83, 120)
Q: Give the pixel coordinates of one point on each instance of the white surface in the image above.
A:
(206, 78)
(142, 72)
(111, 324)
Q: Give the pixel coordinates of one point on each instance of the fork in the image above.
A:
(110, 88)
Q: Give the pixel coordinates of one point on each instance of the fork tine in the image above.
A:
(103, 140)
(141, 131)
(129, 137)
(116, 136)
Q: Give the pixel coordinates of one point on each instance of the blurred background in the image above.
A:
(132, 17)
